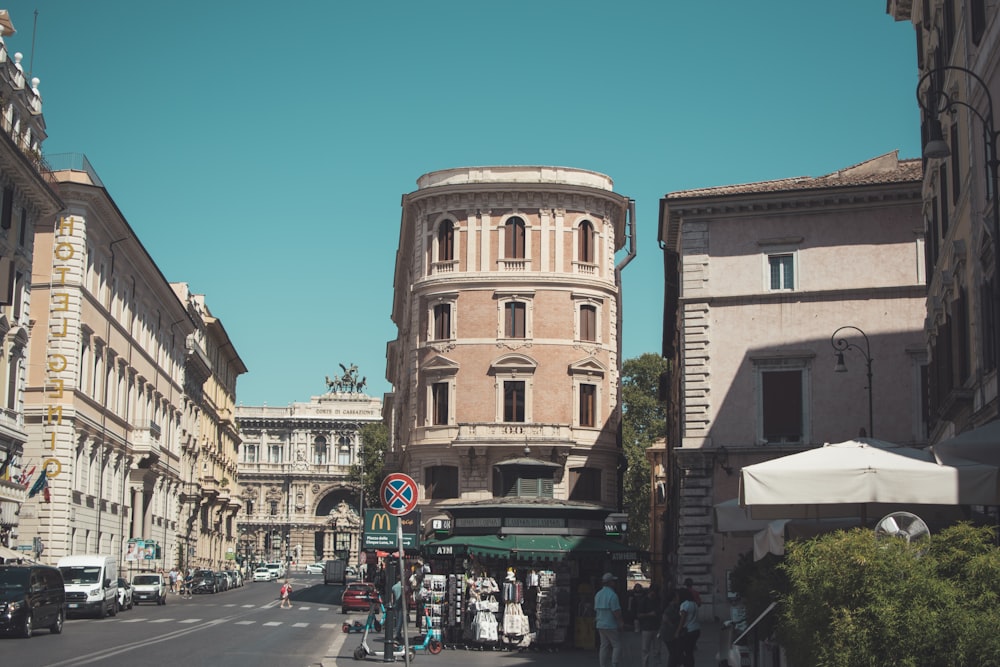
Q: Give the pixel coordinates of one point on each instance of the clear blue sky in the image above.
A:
(260, 149)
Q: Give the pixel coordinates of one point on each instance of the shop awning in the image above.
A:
(461, 545)
(530, 547)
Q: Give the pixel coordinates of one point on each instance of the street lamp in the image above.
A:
(935, 101)
(841, 345)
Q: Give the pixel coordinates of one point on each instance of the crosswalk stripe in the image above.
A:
(245, 622)
(249, 606)
(305, 608)
(131, 620)
(163, 620)
(329, 626)
(300, 625)
(271, 624)
(190, 620)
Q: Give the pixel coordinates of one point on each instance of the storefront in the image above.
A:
(524, 573)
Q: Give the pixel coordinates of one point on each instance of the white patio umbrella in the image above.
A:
(979, 444)
(859, 477)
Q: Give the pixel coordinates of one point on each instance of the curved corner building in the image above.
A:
(505, 370)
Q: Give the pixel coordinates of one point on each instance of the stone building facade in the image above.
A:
(210, 442)
(300, 501)
(958, 50)
(104, 408)
(505, 369)
(759, 278)
(27, 199)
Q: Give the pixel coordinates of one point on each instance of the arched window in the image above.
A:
(585, 242)
(321, 452)
(344, 451)
(514, 238)
(446, 241)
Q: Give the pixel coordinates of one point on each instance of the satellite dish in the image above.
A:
(904, 525)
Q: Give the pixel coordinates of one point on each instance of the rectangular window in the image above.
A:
(782, 406)
(274, 507)
(514, 322)
(956, 165)
(7, 211)
(977, 12)
(943, 185)
(442, 321)
(274, 452)
(250, 453)
(441, 482)
(585, 484)
(782, 272)
(588, 405)
(588, 323)
(439, 407)
(513, 401)
(22, 232)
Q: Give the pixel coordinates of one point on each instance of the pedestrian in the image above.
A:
(648, 614)
(668, 627)
(695, 595)
(609, 621)
(286, 595)
(688, 628)
(396, 600)
(632, 607)
(173, 579)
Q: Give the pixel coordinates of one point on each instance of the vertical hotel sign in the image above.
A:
(62, 350)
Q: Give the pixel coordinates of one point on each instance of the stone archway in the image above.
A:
(338, 525)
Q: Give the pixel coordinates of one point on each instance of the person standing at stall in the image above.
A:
(608, 612)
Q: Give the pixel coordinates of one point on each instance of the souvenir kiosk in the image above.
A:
(518, 573)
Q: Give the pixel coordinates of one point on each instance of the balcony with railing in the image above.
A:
(444, 266)
(514, 265)
(146, 440)
(506, 434)
(272, 469)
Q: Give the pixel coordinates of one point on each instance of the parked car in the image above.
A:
(31, 596)
(223, 581)
(316, 568)
(236, 578)
(149, 588)
(351, 571)
(277, 568)
(204, 581)
(358, 597)
(125, 594)
(263, 574)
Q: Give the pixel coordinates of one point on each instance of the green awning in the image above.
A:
(461, 545)
(530, 547)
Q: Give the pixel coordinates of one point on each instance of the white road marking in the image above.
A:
(163, 620)
(300, 625)
(190, 620)
(271, 624)
(245, 622)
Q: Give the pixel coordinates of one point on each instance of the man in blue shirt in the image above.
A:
(608, 612)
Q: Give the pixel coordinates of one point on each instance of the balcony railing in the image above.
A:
(265, 468)
(520, 265)
(512, 433)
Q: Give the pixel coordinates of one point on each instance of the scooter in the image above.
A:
(363, 650)
(427, 642)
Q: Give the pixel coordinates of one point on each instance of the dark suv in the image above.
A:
(31, 596)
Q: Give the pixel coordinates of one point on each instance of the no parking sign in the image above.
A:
(399, 494)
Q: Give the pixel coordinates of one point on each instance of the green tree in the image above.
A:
(854, 600)
(374, 447)
(643, 422)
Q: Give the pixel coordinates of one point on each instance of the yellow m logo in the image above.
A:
(381, 521)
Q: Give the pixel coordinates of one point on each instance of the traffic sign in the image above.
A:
(399, 494)
(380, 530)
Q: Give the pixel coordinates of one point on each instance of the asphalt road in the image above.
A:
(239, 628)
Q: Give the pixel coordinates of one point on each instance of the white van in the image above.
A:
(91, 584)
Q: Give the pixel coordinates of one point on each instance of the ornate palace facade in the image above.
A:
(300, 502)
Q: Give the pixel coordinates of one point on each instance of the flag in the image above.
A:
(26, 476)
(5, 466)
(41, 484)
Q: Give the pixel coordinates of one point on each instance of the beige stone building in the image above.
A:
(210, 441)
(759, 278)
(26, 199)
(300, 501)
(505, 369)
(105, 401)
(957, 56)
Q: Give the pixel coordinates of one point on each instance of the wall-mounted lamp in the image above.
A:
(722, 456)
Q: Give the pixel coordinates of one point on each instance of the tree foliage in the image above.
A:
(643, 422)
(374, 447)
(853, 600)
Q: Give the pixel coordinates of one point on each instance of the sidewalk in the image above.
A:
(708, 646)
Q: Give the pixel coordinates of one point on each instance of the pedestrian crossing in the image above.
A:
(245, 622)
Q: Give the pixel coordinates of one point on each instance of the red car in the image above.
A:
(358, 597)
